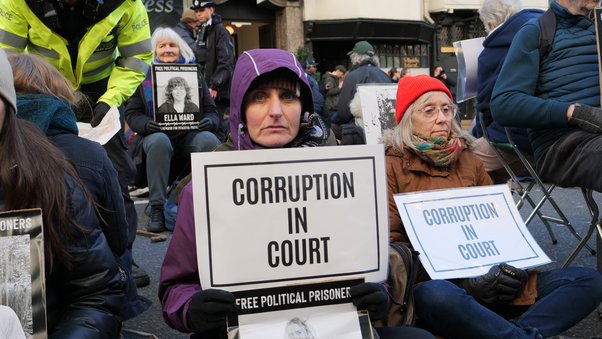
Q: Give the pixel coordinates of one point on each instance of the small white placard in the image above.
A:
(109, 125)
(378, 109)
(463, 232)
(269, 218)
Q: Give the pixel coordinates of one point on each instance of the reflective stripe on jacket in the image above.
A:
(124, 33)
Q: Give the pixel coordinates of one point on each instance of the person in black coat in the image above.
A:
(364, 70)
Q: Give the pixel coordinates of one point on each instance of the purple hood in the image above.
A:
(250, 65)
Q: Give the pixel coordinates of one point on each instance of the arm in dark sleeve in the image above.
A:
(136, 114)
(225, 58)
(179, 279)
(208, 105)
(514, 102)
(91, 293)
(343, 114)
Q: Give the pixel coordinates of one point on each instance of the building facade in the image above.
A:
(415, 34)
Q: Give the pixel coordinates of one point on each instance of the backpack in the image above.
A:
(547, 31)
(403, 268)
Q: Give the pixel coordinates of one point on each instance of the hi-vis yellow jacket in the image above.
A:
(123, 33)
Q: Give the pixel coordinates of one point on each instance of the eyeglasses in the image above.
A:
(432, 112)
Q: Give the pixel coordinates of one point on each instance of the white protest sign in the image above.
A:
(378, 109)
(269, 218)
(463, 232)
(467, 55)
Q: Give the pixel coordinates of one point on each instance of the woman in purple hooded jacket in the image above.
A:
(270, 107)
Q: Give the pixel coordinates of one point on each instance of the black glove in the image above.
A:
(208, 310)
(151, 127)
(100, 110)
(588, 118)
(372, 297)
(503, 283)
(206, 124)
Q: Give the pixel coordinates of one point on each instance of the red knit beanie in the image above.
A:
(411, 88)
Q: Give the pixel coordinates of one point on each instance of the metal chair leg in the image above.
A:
(594, 225)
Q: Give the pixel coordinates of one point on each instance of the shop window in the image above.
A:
(398, 55)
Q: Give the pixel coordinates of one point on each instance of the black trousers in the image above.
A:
(574, 160)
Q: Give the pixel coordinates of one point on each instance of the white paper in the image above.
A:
(333, 321)
(378, 109)
(467, 55)
(463, 232)
(338, 229)
(109, 125)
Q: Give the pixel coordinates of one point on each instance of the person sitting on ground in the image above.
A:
(271, 90)
(502, 19)
(162, 146)
(427, 150)
(84, 283)
(45, 97)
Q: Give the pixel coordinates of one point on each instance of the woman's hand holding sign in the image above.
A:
(208, 310)
(503, 283)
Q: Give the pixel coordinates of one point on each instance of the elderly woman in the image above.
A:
(271, 107)
(161, 146)
(427, 150)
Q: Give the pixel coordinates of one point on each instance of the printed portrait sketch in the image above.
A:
(297, 328)
(15, 279)
(178, 96)
(377, 109)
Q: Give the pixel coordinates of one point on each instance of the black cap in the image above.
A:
(198, 4)
(310, 62)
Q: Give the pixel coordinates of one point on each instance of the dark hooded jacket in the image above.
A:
(217, 54)
(56, 119)
(179, 279)
(492, 57)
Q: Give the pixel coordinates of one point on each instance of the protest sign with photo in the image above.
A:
(462, 232)
(289, 220)
(176, 103)
(22, 271)
(378, 109)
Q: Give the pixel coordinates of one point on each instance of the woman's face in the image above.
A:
(178, 93)
(434, 118)
(273, 116)
(167, 51)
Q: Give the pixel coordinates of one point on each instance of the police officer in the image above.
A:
(215, 53)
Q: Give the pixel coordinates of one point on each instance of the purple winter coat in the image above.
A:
(179, 279)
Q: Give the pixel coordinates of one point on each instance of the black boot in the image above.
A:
(156, 223)
(139, 275)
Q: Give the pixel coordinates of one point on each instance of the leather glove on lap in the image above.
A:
(208, 310)
(206, 124)
(588, 118)
(372, 297)
(151, 127)
(100, 110)
(503, 283)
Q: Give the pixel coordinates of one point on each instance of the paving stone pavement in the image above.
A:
(150, 256)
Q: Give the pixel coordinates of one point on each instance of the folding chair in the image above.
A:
(525, 190)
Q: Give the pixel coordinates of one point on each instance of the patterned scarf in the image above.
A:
(438, 151)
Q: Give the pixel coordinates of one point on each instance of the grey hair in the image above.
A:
(357, 59)
(400, 137)
(162, 33)
(496, 12)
